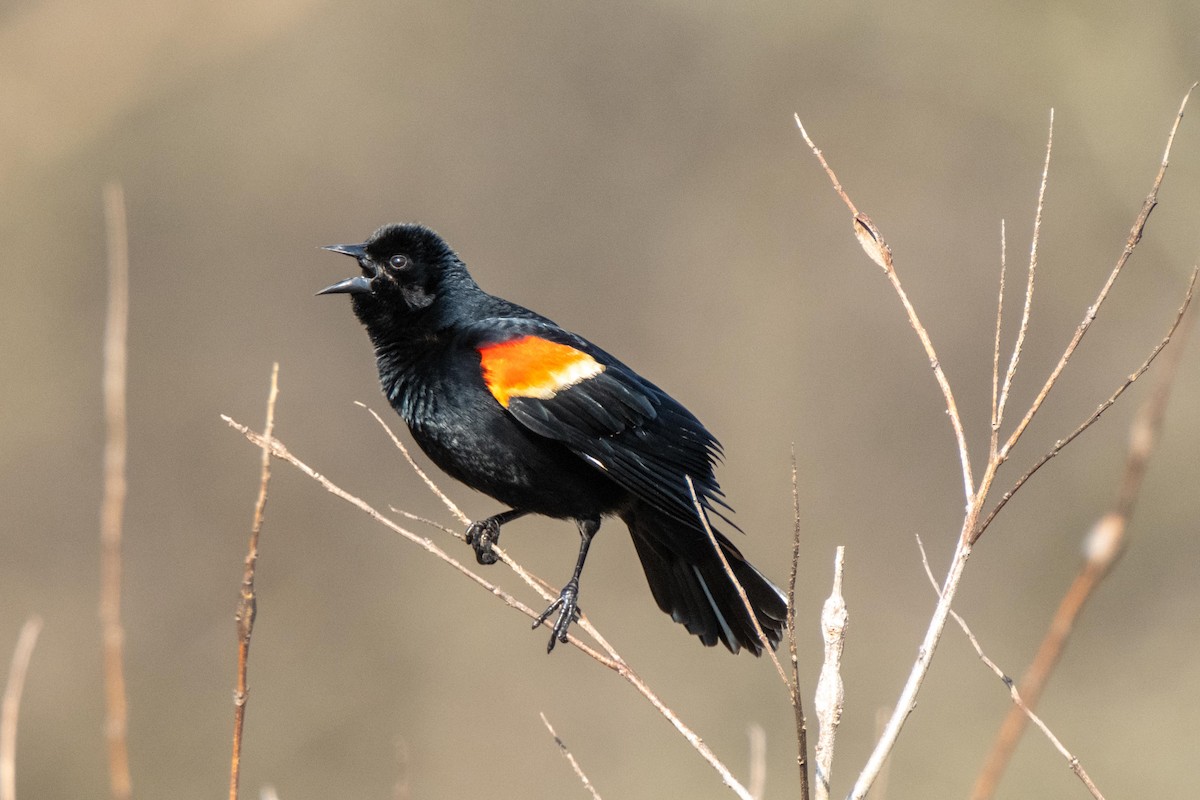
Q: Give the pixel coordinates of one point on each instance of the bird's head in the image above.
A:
(405, 268)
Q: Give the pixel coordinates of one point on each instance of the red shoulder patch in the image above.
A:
(533, 367)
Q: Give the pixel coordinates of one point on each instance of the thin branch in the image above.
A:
(1105, 543)
(247, 600)
(11, 706)
(831, 692)
(426, 521)
(995, 438)
(614, 663)
(908, 695)
(112, 510)
(1095, 415)
(433, 487)
(1135, 236)
(797, 701)
(876, 247)
(712, 538)
(562, 748)
(880, 787)
(1033, 252)
(1018, 703)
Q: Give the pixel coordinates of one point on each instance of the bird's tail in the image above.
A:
(689, 582)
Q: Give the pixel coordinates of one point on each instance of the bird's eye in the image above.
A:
(398, 261)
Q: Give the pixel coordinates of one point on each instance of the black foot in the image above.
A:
(567, 606)
(482, 535)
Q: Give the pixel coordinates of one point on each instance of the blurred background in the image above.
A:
(633, 171)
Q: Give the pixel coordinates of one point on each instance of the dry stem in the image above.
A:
(797, 702)
(877, 248)
(11, 706)
(112, 509)
(562, 748)
(247, 601)
(1018, 704)
(994, 442)
(1135, 236)
(998, 418)
(762, 637)
(1095, 415)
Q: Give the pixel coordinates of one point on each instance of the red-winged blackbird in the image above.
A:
(541, 419)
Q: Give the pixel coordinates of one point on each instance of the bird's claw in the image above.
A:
(567, 606)
(481, 536)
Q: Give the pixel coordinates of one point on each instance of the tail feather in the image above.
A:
(689, 582)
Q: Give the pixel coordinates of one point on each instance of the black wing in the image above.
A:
(561, 386)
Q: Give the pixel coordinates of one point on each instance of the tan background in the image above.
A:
(633, 171)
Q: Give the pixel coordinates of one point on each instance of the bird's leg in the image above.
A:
(486, 532)
(567, 604)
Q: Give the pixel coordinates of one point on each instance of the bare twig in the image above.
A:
(762, 637)
(247, 600)
(876, 247)
(1018, 703)
(433, 487)
(1095, 415)
(831, 693)
(1105, 543)
(1135, 236)
(880, 787)
(562, 748)
(797, 701)
(994, 442)
(1033, 253)
(613, 662)
(906, 703)
(11, 706)
(113, 509)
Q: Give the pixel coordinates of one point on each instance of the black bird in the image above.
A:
(541, 419)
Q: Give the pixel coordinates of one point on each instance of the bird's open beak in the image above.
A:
(352, 250)
(356, 285)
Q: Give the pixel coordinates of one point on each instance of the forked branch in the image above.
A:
(876, 247)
